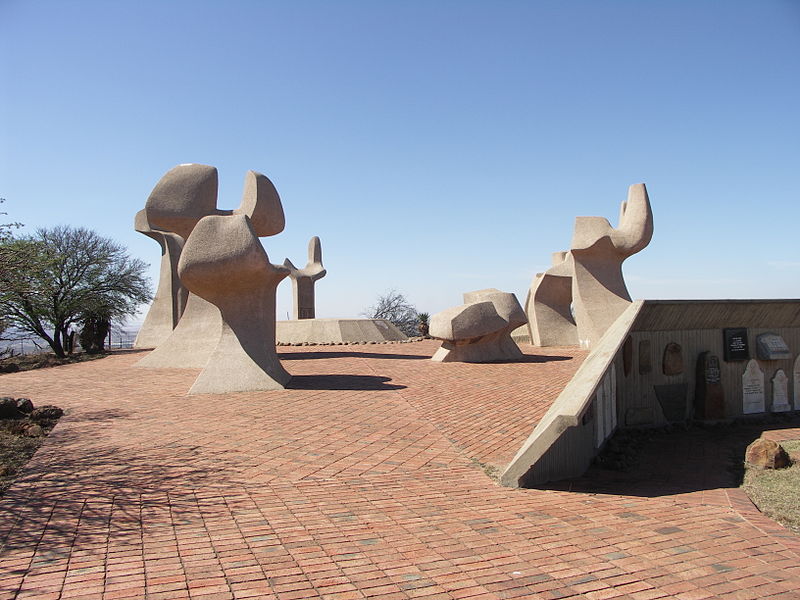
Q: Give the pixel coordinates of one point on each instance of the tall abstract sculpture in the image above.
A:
(171, 295)
(599, 294)
(182, 197)
(577, 299)
(550, 319)
(224, 263)
(303, 280)
(480, 329)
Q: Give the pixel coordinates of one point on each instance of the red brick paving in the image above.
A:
(365, 481)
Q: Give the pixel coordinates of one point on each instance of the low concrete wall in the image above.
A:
(316, 331)
(580, 420)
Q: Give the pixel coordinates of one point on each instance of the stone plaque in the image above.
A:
(796, 383)
(780, 392)
(770, 346)
(672, 363)
(673, 400)
(709, 396)
(736, 347)
(752, 389)
(645, 363)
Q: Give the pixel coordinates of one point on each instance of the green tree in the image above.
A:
(66, 276)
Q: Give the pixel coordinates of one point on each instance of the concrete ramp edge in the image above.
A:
(557, 449)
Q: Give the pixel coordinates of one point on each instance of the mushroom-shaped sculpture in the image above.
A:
(182, 197)
(480, 329)
(303, 280)
(599, 294)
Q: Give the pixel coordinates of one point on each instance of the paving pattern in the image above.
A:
(368, 479)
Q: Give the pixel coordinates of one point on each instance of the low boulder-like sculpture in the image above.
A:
(480, 329)
(182, 197)
(171, 295)
(303, 280)
(599, 294)
(550, 321)
(224, 263)
(767, 454)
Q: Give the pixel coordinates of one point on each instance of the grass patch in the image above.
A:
(28, 362)
(776, 493)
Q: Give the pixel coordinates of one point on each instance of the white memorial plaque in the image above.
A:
(780, 392)
(752, 389)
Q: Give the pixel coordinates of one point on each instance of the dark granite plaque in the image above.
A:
(709, 396)
(672, 362)
(673, 400)
(736, 347)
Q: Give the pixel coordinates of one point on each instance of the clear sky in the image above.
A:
(435, 147)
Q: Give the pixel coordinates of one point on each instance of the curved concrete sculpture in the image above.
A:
(548, 305)
(303, 280)
(170, 299)
(182, 197)
(599, 294)
(480, 329)
(224, 263)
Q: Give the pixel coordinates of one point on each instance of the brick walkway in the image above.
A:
(368, 480)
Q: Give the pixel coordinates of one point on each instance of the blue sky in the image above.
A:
(435, 147)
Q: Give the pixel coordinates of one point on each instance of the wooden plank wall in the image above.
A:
(636, 390)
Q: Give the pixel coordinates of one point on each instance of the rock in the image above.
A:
(766, 454)
(24, 405)
(46, 413)
(34, 430)
(8, 408)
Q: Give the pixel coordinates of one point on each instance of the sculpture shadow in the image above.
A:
(315, 355)
(342, 382)
(672, 461)
(85, 482)
(93, 416)
(529, 358)
(118, 351)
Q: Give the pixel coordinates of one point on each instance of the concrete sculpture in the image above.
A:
(480, 329)
(171, 295)
(599, 294)
(548, 305)
(182, 197)
(224, 263)
(303, 280)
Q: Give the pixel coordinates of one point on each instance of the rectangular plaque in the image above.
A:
(736, 347)
(770, 346)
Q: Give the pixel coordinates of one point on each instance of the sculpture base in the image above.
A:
(496, 346)
(521, 335)
(332, 331)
